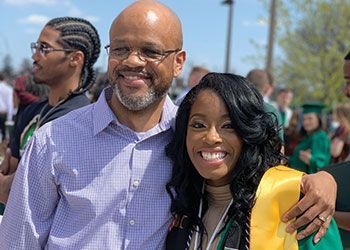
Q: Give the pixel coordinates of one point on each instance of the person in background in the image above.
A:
(6, 105)
(195, 76)
(228, 188)
(26, 92)
(313, 151)
(283, 100)
(340, 140)
(63, 59)
(292, 134)
(341, 173)
(261, 79)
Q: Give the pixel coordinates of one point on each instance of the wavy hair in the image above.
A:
(80, 34)
(260, 150)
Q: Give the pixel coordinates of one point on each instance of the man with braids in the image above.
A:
(95, 178)
(63, 59)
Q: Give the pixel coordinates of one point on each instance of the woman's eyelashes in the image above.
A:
(197, 124)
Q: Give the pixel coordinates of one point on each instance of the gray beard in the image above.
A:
(140, 102)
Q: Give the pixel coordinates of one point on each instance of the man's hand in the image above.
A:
(320, 192)
(7, 172)
(305, 156)
(5, 186)
(6, 163)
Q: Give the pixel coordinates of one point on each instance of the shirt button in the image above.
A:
(136, 184)
(132, 222)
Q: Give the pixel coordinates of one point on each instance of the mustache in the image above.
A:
(37, 64)
(118, 71)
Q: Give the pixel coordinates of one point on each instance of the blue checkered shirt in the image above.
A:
(88, 182)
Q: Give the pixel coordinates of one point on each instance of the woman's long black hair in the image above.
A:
(261, 150)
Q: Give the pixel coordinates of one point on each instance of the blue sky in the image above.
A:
(204, 24)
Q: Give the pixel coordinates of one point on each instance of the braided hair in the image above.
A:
(260, 150)
(80, 34)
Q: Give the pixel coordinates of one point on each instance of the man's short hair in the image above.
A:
(284, 90)
(260, 78)
(2, 77)
(199, 69)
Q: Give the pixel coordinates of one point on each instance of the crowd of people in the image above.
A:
(112, 162)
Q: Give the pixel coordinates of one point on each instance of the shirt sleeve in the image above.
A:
(320, 151)
(32, 203)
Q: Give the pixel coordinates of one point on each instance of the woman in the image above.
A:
(224, 196)
(313, 151)
(340, 140)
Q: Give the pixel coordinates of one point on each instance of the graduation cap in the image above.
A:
(313, 107)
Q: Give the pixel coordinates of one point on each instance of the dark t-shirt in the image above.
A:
(39, 113)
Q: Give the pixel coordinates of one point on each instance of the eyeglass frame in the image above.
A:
(45, 50)
(162, 55)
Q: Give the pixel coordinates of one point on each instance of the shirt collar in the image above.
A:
(103, 114)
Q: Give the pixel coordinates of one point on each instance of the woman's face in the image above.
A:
(212, 144)
(310, 122)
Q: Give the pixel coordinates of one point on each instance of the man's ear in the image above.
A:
(179, 61)
(77, 58)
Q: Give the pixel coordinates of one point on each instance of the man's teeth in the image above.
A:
(213, 156)
(132, 77)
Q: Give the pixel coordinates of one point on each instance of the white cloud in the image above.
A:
(28, 2)
(262, 21)
(34, 19)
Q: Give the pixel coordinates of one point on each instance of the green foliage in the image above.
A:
(314, 37)
(7, 67)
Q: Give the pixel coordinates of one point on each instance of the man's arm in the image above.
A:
(8, 169)
(343, 220)
(320, 192)
(32, 202)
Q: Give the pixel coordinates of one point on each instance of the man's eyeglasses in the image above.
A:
(144, 54)
(43, 49)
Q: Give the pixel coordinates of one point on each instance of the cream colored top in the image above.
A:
(218, 199)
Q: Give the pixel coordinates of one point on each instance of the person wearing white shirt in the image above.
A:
(6, 104)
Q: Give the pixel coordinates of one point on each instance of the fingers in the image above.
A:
(5, 187)
(315, 225)
(298, 209)
(322, 230)
(5, 164)
(306, 218)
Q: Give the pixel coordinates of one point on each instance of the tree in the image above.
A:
(26, 66)
(7, 68)
(313, 35)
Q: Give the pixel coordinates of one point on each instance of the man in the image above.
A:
(95, 179)
(261, 79)
(341, 173)
(195, 76)
(63, 62)
(283, 100)
(6, 106)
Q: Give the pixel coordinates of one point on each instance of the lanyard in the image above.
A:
(217, 228)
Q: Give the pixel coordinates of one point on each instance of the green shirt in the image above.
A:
(271, 109)
(319, 144)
